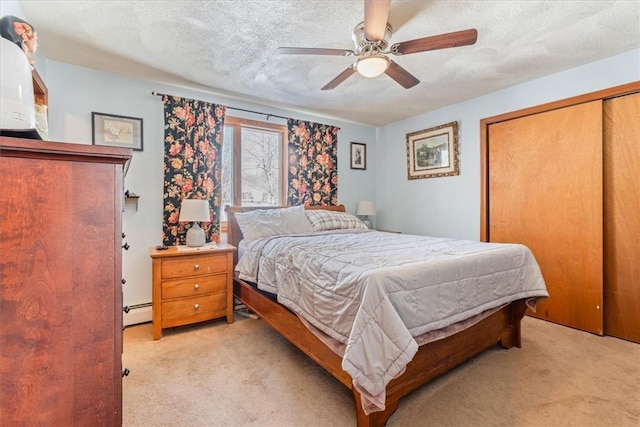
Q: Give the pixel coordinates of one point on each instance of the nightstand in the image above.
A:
(191, 285)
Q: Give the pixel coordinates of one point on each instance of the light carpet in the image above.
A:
(246, 374)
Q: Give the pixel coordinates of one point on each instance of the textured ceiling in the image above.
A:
(229, 47)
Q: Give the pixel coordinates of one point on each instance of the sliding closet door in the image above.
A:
(622, 217)
(545, 191)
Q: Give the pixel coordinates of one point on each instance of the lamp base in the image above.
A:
(195, 236)
(367, 221)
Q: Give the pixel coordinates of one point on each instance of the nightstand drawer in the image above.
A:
(194, 309)
(194, 286)
(193, 266)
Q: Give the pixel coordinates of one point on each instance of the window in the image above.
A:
(253, 159)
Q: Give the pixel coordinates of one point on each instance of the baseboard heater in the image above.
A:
(137, 313)
(137, 306)
(133, 317)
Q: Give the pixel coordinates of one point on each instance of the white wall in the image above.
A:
(75, 92)
(450, 206)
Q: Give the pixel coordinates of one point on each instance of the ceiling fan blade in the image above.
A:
(376, 13)
(400, 75)
(442, 41)
(340, 78)
(314, 51)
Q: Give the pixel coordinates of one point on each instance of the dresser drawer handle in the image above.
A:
(196, 267)
(196, 286)
(196, 306)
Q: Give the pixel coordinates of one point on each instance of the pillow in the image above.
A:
(262, 223)
(322, 220)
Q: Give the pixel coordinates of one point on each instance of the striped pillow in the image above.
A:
(322, 220)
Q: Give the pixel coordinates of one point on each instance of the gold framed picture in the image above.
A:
(433, 152)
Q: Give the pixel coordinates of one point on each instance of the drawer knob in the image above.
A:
(196, 267)
(196, 306)
(196, 286)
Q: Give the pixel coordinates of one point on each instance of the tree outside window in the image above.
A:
(252, 164)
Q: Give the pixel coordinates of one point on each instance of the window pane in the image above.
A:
(260, 167)
(226, 172)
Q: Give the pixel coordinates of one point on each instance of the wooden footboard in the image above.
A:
(438, 357)
(432, 359)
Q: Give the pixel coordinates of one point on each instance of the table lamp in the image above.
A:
(194, 210)
(366, 208)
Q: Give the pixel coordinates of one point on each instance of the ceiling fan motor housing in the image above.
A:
(363, 45)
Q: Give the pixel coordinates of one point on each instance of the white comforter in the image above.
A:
(376, 291)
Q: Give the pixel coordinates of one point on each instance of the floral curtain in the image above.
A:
(313, 163)
(192, 163)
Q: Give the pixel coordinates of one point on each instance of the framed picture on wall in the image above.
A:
(358, 155)
(116, 131)
(433, 152)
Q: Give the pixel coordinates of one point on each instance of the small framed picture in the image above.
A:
(358, 155)
(116, 131)
(433, 152)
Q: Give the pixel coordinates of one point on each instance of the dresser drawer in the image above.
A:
(189, 310)
(194, 266)
(194, 286)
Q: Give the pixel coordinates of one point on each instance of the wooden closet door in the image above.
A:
(622, 217)
(545, 191)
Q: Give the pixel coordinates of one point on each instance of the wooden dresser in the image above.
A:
(60, 283)
(191, 285)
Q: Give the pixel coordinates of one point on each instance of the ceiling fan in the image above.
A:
(371, 38)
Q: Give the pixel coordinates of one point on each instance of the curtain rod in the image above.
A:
(237, 109)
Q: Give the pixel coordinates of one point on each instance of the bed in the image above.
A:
(409, 364)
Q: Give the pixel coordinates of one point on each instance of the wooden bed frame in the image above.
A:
(432, 359)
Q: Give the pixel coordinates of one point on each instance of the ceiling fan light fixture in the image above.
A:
(372, 65)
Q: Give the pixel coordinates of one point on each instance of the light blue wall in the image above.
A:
(75, 92)
(450, 206)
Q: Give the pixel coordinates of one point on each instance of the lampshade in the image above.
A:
(193, 210)
(372, 65)
(365, 208)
